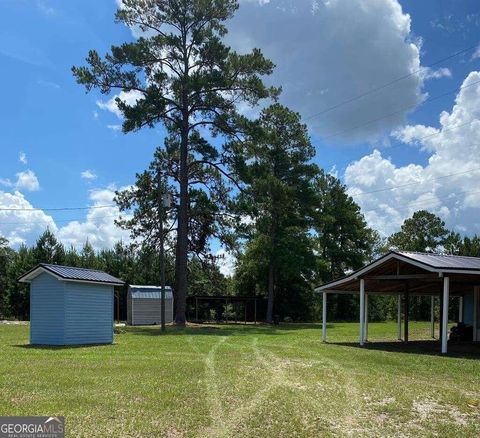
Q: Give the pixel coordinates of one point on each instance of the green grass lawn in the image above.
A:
(251, 381)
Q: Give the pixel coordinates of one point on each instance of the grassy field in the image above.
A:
(250, 381)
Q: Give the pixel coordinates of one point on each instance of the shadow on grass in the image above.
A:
(464, 350)
(222, 330)
(60, 347)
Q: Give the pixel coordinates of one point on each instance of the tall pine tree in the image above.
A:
(274, 163)
(185, 78)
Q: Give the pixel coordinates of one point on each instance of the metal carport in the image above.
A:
(407, 274)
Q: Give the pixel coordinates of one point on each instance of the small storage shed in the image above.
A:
(70, 306)
(144, 305)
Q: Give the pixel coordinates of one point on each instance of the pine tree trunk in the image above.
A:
(271, 269)
(271, 292)
(181, 262)
(182, 234)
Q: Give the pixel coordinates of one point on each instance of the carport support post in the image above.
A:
(476, 290)
(362, 311)
(365, 336)
(407, 305)
(432, 316)
(324, 317)
(440, 318)
(399, 318)
(446, 294)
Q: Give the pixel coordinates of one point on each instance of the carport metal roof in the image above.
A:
(422, 271)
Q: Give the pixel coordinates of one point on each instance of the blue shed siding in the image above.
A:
(88, 313)
(47, 305)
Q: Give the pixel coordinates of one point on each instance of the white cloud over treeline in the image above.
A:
(446, 185)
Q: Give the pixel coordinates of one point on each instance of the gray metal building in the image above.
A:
(144, 305)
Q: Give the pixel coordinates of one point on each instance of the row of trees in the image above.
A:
(133, 265)
(301, 262)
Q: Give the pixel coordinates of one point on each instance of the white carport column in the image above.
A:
(446, 295)
(399, 318)
(476, 292)
(365, 336)
(432, 316)
(362, 311)
(324, 317)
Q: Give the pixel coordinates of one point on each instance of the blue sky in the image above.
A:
(336, 50)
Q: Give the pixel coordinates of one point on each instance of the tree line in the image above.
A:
(131, 264)
(302, 264)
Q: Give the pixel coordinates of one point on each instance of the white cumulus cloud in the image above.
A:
(99, 226)
(129, 97)
(22, 223)
(27, 180)
(447, 185)
(328, 52)
(18, 222)
(437, 74)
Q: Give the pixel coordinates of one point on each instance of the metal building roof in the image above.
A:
(431, 263)
(150, 292)
(441, 261)
(69, 273)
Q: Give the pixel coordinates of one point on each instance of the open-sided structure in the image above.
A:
(406, 274)
(243, 308)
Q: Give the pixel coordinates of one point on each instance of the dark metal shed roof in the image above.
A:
(70, 273)
(441, 261)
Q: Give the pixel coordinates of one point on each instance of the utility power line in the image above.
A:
(59, 208)
(451, 128)
(387, 84)
(423, 201)
(401, 110)
(385, 189)
(409, 204)
(45, 220)
(441, 131)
